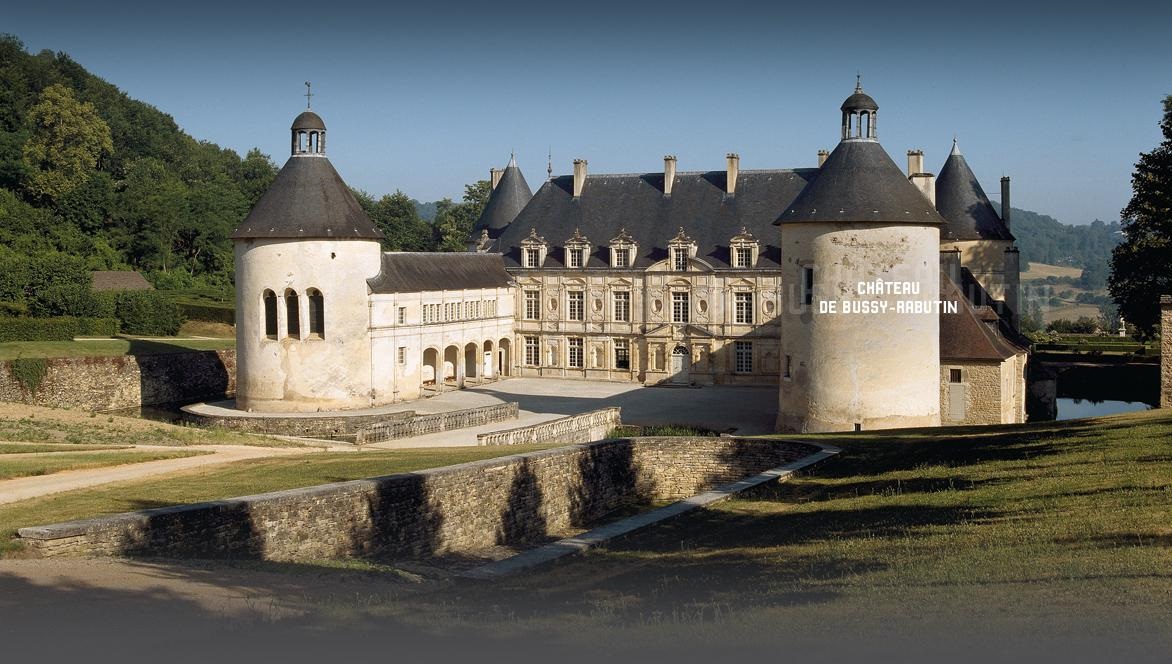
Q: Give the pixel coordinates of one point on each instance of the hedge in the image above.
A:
(63, 328)
(208, 312)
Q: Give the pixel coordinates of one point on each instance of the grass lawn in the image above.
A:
(29, 448)
(1049, 528)
(21, 423)
(12, 467)
(11, 350)
(1042, 270)
(230, 480)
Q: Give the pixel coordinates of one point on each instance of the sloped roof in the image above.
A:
(308, 199)
(860, 182)
(511, 195)
(966, 209)
(118, 280)
(974, 332)
(698, 203)
(412, 272)
(308, 120)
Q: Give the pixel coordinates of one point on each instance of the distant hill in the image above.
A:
(1044, 239)
(427, 211)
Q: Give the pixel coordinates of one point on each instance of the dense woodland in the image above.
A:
(91, 179)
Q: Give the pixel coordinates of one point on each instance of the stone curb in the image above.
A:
(573, 545)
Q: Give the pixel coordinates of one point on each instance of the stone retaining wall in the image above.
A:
(1166, 351)
(296, 424)
(583, 428)
(125, 381)
(424, 424)
(461, 509)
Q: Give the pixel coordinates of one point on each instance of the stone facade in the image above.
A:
(421, 425)
(1166, 351)
(986, 393)
(126, 381)
(463, 509)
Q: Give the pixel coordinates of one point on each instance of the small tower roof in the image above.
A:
(962, 202)
(859, 101)
(505, 202)
(308, 120)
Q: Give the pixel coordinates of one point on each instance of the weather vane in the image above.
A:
(308, 94)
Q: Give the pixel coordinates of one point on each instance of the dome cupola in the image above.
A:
(860, 115)
(309, 131)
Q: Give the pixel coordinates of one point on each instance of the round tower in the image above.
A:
(860, 274)
(303, 255)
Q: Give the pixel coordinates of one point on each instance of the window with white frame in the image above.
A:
(680, 259)
(532, 304)
(622, 257)
(532, 258)
(679, 307)
(575, 256)
(402, 316)
(622, 355)
(576, 308)
(574, 349)
(744, 257)
(402, 355)
(532, 351)
(743, 308)
(622, 306)
(743, 357)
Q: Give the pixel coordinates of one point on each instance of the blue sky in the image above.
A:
(429, 98)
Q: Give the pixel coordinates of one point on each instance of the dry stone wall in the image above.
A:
(461, 509)
(125, 381)
(1166, 351)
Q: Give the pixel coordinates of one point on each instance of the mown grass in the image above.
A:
(42, 448)
(1054, 526)
(13, 467)
(11, 350)
(113, 430)
(231, 480)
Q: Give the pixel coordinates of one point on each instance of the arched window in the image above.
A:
(270, 300)
(292, 314)
(317, 312)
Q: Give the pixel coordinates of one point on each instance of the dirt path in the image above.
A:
(32, 487)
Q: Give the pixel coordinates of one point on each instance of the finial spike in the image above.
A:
(549, 164)
(858, 81)
(308, 95)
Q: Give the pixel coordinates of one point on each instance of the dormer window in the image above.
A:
(745, 248)
(622, 250)
(533, 250)
(576, 250)
(681, 249)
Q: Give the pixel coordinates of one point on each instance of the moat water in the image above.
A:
(1070, 408)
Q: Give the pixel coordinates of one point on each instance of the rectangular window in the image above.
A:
(531, 258)
(622, 306)
(789, 365)
(679, 307)
(576, 309)
(292, 315)
(680, 259)
(622, 355)
(402, 355)
(532, 351)
(574, 345)
(954, 376)
(744, 307)
(807, 286)
(744, 257)
(270, 299)
(532, 304)
(317, 313)
(743, 355)
(576, 257)
(402, 315)
(622, 257)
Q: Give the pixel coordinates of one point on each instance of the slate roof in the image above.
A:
(511, 195)
(860, 182)
(966, 210)
(974, 332)
(308, 199)
(308, 120)
(413, 272)
(118, 280)
(698, 203)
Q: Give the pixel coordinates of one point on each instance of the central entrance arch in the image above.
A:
(681, 364)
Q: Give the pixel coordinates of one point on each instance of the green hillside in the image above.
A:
(1044, 239)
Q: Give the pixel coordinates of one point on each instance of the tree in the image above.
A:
(454, 221)
(1141, 267)
(66, 140)
(397, 217)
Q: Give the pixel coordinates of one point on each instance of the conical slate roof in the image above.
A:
(511, 196)
(966, 210)
(860, 182)
(308, 199)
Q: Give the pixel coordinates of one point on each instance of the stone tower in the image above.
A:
(303, 255)
(859, 239)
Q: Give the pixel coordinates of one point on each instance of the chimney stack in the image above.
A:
(734, 167)
(1005, 200)
(669, 173)
(494, 176)
(579, 176)
(822, 156)
(925, 182)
